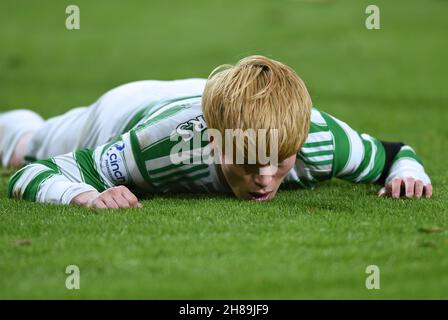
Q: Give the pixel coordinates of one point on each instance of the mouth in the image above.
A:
(259, 196)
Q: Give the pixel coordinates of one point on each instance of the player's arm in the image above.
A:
(363, 158)
(92, 178)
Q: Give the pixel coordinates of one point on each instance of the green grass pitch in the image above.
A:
(390, 83)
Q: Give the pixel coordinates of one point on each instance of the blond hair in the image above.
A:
(259, 93)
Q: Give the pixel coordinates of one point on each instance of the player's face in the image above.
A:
(256, 182)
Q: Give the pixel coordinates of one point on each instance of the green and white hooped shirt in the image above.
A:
(140, 158)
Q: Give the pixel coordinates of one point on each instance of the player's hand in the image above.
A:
(407, 187)
(113, 198)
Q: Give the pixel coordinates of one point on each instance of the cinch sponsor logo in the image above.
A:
(114, 163)
(119, 146)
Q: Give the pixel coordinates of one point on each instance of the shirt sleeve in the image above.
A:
(365, 159)
(406, 163)
(59, 179)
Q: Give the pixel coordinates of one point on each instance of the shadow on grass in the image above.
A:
(185, 196)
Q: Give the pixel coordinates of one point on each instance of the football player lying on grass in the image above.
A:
(101, 156)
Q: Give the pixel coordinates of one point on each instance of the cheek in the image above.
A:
(234, 176)
(241, 180)
(281, 174)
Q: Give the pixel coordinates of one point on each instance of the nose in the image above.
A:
(262, 181)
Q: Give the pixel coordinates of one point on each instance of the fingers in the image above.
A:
(131, 199)
(382, 192)
(411, 187)
(428, 190)
(115, 198)
(98, 204)
(409, 184)
(418, 189)
(110, 202)
(122, 202)
(396, 187)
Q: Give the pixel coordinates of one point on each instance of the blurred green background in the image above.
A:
(390, 83)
